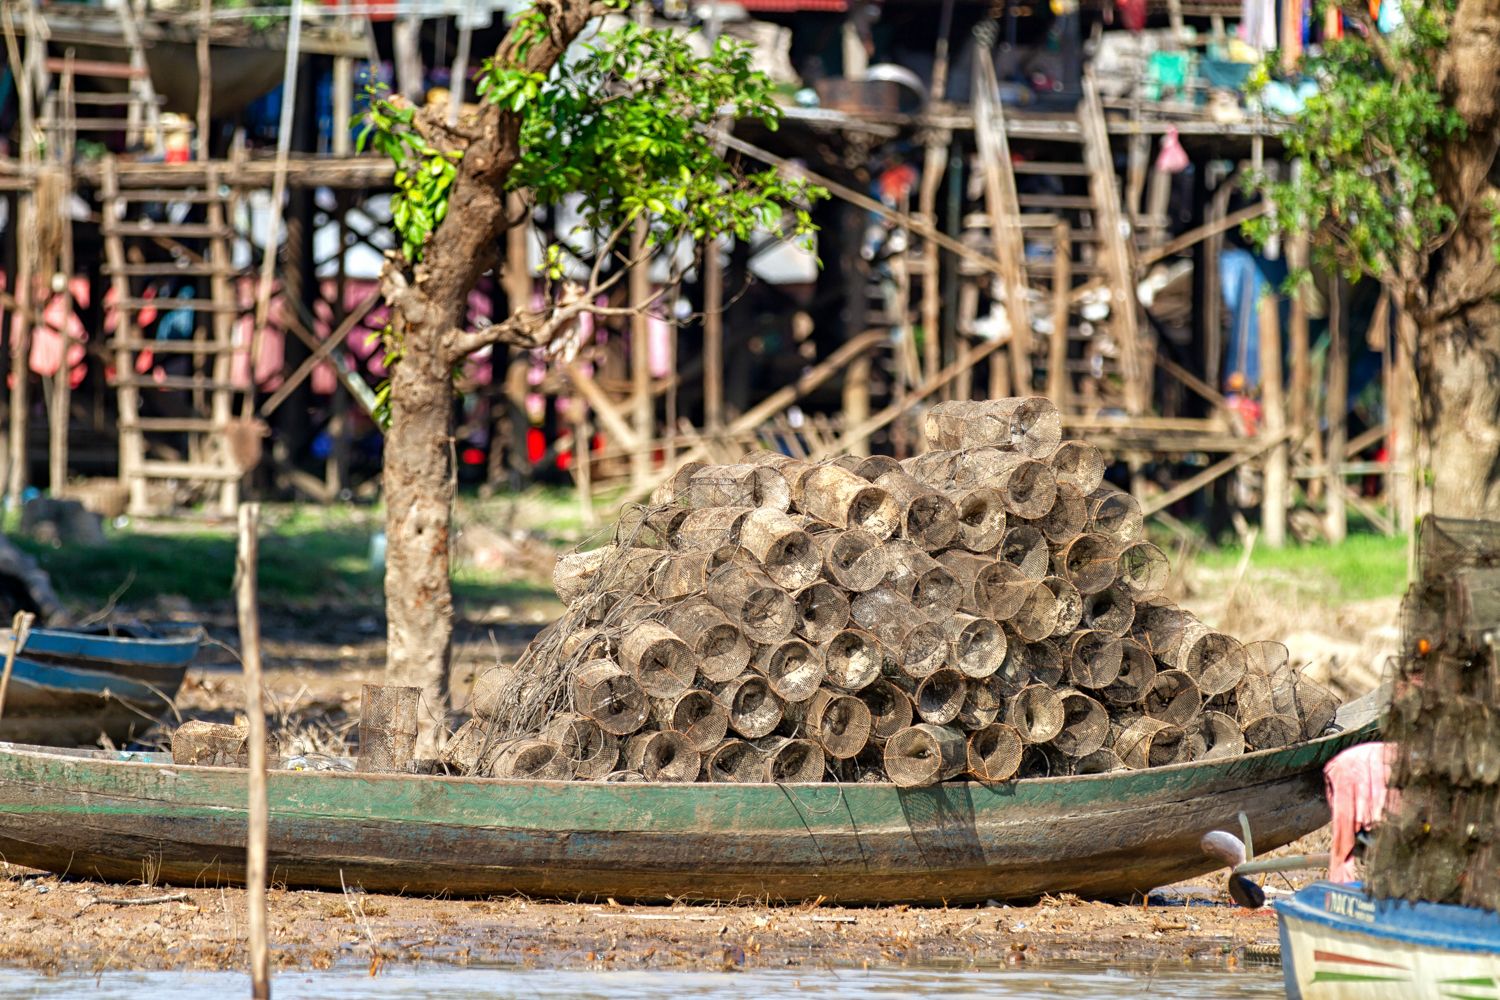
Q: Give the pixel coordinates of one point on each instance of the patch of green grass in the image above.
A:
(1365, 566)
(309, 556)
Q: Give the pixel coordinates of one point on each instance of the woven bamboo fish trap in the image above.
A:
(925, 754)
(993, 753)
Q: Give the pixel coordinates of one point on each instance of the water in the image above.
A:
(432, 983)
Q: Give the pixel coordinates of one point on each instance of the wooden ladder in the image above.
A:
(151, 444)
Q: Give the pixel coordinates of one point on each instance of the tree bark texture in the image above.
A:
(429, 309)
(1459, 381)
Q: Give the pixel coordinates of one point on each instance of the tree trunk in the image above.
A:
(1458, 371)
(419, 490)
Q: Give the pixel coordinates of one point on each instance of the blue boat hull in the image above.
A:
(71, 687)
(1339, 944)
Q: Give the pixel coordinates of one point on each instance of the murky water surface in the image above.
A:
(431, 983)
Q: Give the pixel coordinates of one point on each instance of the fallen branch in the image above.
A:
(171, 897)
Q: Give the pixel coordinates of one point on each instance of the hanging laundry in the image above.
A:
(1172, 159)
(1258, 24)
(1132, 14)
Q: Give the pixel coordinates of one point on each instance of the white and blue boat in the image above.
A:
(1338, 943)
(67, 687)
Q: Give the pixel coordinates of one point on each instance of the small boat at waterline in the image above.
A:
(1103, 836)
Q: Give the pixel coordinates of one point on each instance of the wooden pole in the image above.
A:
(205, 79)
(20, 627)
(934, 161)
(583, 436)
(25, 223)
(1336, 412)
(343, 106)
(1301, 402)
(255, 847)
(713, 337)
(1057, 347)
(1273, 503)
(857, 401)
(642, 400)
(1402, 427)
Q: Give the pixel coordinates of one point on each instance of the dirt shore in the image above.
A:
(58, 926)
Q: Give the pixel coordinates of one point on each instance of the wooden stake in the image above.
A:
(255, 846)
(20, 626)
(205, 81)
(642, 400)
(857, 401)
(1057, 348)
(933, 163)
(713, 337)
(1274, 497)
(1336, 412)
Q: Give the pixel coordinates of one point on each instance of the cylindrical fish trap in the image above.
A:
(721, 648)
(674, 488)
(734, 761)
(591, 752)
(1085, 724)
(1159, 623)
(624, 777)
(1036, 712)
(1026, 486)
(791, 469)
(853, 659)
(783, 549)
(890, 709)
(1220, 735)
(1027, 424)
(1114, 514)
(965, 568)
(844, 500)
(822, 612)
(994, 752)
(981, 518)
(928, 518)
(660, 661)
(1014, 672)
(663, 756)
(1066, 520)
(1316, 707)
(1069, 605)
(976, 646)
(1078, 464)
(840, 723)
(1142, 569)
(1094, 658)
(744, 485)
(1271, 731)
(1137, 673)
(940, 696)
(855, 559)
(588, 644)
(1173, 697)
(710, 528)
(791, 761)
(875, 466)
(922, 580)
(916, 644)
(648, 527)
(984, 700)
(534, 760)
(697, 715)
(925, 755)
(793, 668)
(1101, 761)
(754, 710)
(1148, 742)
(1025, 548)
(596, 607)
(1110, 610)
(1266, 657)
(937, 468)
(999, 591)
(681, 574)
(1088, 562)
(610, 696)
(574, 572)
(1045, 662)
(1215, 660)
(749, 599)
(1036, 618)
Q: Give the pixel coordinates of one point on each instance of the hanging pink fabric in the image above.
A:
(1172, 158)
(659, 345)
(49, 346)
(1355, 783)
(1132, 14)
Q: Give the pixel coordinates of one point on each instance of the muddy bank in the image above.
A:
(58, 926)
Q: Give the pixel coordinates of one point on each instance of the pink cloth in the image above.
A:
(1356, 785)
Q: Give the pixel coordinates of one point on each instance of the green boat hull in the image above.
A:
(1100, 836)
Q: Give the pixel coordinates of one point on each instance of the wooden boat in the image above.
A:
(104, 816)
(1337, 942)
(69, 686)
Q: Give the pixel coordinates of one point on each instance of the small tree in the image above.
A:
(625, 122)
(1399, 148)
